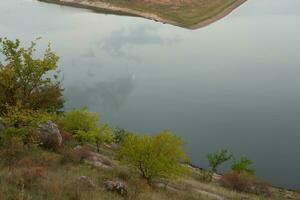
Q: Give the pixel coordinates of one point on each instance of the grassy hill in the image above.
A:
(184, 13)
(71, 175)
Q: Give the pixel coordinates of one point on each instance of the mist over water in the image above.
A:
(233, 84)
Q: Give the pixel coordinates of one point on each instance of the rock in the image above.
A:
(86, 181)
(49, 132)
(116, 186)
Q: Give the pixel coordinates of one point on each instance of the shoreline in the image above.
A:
(104, 7)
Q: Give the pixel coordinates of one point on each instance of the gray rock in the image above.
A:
(116, 186)
(49, 130)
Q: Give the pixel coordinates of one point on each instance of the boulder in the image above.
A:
(116, 186)
(50, 133)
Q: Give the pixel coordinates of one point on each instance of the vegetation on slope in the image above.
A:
(53, 155)
(186, 13)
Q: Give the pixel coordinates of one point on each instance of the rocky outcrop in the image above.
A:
(50, 134)
(116, 186)
(97, 159)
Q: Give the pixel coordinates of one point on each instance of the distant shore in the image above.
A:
(110, 8)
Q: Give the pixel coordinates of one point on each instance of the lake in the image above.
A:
(232, 85)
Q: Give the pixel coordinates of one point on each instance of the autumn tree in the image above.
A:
(26, 81)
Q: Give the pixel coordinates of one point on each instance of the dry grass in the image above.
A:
(41, 174)
(186, 13)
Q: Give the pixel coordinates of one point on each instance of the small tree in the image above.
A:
(242, 165)
(218, 158)
(159, 156)
(25, 81)
(82, 123)
(105, 135)
(119, 134)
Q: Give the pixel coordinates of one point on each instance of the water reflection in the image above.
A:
(103, 95)
(233, 84)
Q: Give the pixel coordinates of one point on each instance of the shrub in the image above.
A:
(104, 135)
(51, 142)
(119, 135)
(262, 188)
(218, 158)
(242, 166)
(244, 182)
(33, 174)
(82, 124)
(17, 117)
(159, 156)
(66, 136)
(27, 135)
(204, 176)
(237, 181)
(23, 123)
(20, 133)
(12, 150)
(75, 155)
(25, 80)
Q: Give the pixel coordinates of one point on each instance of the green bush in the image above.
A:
(105, 135)
(242, 165)
(218, 158)
(18, 117)
(82, 124)
(119, 134)
(158, 156)
(23, 124)
(26, 81)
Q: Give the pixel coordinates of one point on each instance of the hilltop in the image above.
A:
(190, 14)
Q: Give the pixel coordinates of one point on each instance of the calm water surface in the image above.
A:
(234, 84)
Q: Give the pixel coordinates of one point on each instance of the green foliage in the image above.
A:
(158, 156)
(242, 165)
(119, 134)
(20, 133)
(17, 117)
(22, 124)
(82, 123)
(26, 81)
(105, 134)
(218, 158)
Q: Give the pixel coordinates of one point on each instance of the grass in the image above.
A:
(185, 13)
(42, 174)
